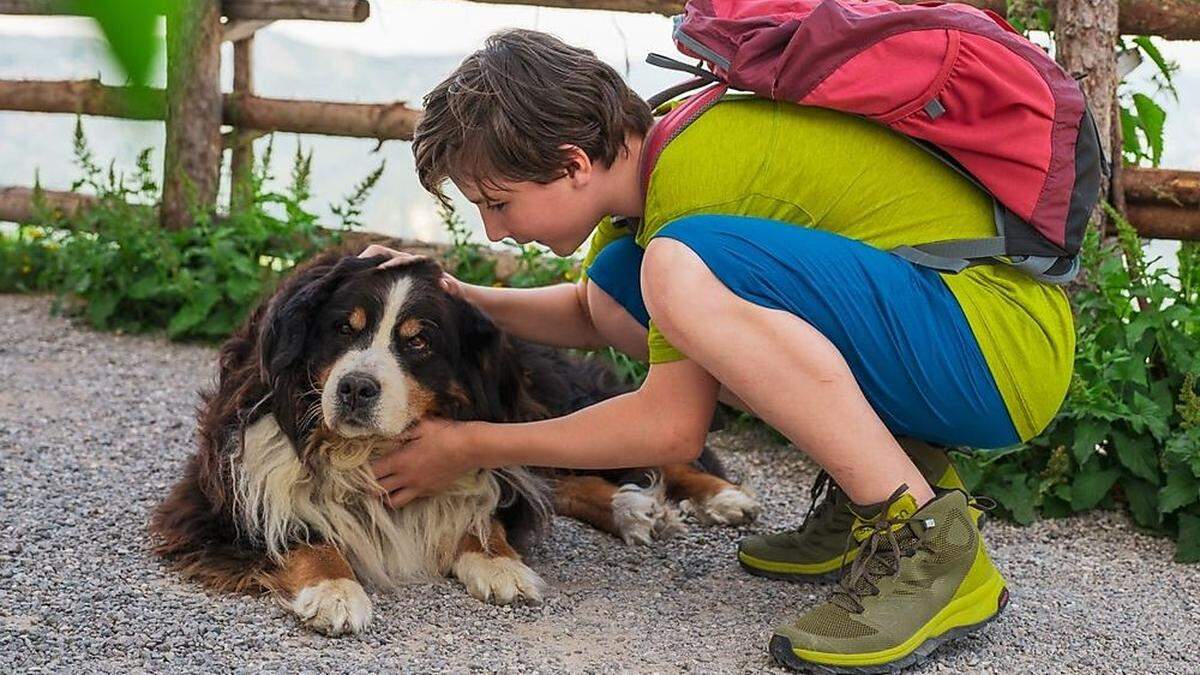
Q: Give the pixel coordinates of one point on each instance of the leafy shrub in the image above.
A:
(1129, 433)
(120, 270)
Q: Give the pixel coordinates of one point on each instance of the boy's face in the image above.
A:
(559, 215)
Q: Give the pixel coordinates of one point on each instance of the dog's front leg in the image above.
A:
(317, 584)
(493, 572)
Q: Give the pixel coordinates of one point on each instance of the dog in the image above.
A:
(325, 376)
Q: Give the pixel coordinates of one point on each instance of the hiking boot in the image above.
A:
(815, 551)
(921, 577)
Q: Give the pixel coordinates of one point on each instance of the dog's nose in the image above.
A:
(358, 390)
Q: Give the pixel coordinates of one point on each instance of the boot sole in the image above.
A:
(791, 577)
(781, 649)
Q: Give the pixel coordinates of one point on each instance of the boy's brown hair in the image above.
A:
(504, 112)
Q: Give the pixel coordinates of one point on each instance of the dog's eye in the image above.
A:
(345, 328)
(417, 343)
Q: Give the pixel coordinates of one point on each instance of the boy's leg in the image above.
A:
(791, 374)
(615, 304)
(922, 574)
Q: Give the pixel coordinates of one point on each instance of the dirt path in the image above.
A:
(94, 428)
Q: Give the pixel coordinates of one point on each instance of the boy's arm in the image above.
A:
(663, 422)
(551, 315)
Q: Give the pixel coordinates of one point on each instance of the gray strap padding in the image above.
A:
(967, 249)
(940, 263)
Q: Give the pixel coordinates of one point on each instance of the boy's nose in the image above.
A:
(494, 230)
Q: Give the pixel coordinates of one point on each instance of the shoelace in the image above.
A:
(873, 564)
(820, 497)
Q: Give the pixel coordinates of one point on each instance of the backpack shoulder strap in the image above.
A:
(672, 124)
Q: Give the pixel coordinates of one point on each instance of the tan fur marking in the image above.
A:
(685, 481)
(586, 498)
(421, 401)
(497, 545)
(358, 318)
(410, 327)
(306, 566)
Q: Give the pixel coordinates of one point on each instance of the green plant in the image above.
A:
(1129, 433)
(113, 264)
(1142, 118)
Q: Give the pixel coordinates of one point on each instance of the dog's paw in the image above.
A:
(643, 514)
(498, 580)
(334, 607)
(731, 506)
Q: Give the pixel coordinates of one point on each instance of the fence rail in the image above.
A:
(269, 10)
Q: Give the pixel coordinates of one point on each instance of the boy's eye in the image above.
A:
(498, 206)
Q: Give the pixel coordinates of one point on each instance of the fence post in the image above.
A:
(1085, 37)
(241, 163)
(192, 157)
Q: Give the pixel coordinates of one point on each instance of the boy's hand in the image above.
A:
(430, 459)
(395, 258)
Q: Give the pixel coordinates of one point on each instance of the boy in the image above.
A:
(756, 272)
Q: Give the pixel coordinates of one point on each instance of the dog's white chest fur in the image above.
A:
(281, 500)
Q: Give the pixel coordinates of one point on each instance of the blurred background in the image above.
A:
(399, 53)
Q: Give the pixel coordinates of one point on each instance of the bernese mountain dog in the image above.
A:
(322, 378)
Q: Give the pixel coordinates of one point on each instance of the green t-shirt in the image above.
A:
(819, 168)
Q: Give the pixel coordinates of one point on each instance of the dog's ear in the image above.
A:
(291, 312)
(480, 337)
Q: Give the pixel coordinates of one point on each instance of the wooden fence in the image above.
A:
(1160, 203)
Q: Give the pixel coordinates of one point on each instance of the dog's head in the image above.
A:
(361, 352)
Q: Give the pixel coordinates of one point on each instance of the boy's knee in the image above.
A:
(677, 285)
(614, 322)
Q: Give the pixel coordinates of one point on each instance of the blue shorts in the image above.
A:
(898, 326)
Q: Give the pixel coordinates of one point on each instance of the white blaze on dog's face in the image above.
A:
(368, 392)
(366, 352)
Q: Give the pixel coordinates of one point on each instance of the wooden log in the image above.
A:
(381, 121)
(238, 30)
(1165, 222)
(82, 97)
(241, 162)
(1162, 187)
(17, 203)
(1084, 38)
(315, 10)
(192, 153)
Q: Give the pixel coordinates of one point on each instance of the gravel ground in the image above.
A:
(94, 428)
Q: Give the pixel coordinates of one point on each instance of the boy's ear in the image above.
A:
(576, 162)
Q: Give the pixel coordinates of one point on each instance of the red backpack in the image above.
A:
(957, 80)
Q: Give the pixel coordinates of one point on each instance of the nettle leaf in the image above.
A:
(1143, 501)
(1150, 414)
(1165, 68)
(1182, 488)
(1089, 433)
(1151, 118)
(1188, 549)
(1138, 454)
(1015, 495)
(194, 312)
(1090, 487)
(1131, 142)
